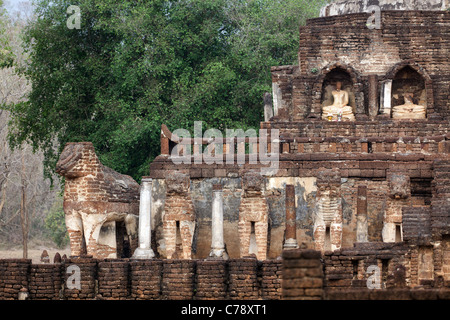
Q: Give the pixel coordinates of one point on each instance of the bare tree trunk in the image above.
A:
(3, 199)
(23, 211)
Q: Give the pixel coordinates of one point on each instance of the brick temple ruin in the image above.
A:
(362, 181)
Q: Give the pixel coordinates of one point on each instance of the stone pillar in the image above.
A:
(217, 243)
(373, 96)
(361, 215)
(277, 98)
(386, 92)
(290, 241)
(145, 230)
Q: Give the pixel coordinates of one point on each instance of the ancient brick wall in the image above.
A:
(120, 279)
(178, 217)
(253, 214)
(347, 43)
(302, 275)
(13, 277)
(88, 276)
(146, 279)
(211, 280)
(387, 294)
(416, 224)
(341, 275)
(269, 277)
(243, 279)
(178, 279)
(368, 170)
(349, 267)
(112, 278)
(45, 281)
(387, 131)
(440, 219)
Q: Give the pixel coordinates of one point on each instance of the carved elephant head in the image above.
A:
(69, 164)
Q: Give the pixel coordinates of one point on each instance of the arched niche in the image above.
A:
(326, 81)
(410, 82)
(329, 84)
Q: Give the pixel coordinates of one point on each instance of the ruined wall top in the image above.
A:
(357, 6)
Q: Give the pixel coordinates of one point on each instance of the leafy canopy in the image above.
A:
(134, 65)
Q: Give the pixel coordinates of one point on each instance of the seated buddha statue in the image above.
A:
(409, 110)
(339, 110)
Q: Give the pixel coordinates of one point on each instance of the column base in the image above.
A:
(290, 244)
(141, 253)
(218, 254)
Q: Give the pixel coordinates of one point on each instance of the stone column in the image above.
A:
(361, 215)
(290, 241)
(277, 98)
(145, 230)
(217, 243)
(386, 101)
(373, 96)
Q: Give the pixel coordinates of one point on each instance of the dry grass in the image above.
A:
(33, 253)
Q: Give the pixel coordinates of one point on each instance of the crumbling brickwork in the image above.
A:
(113, 279)
(45, 281)
(13, 277)
(416, 224)
(95, 198)
(120, 279)
(253, 214)
(179, 216)
(302, 275)
(399, 196)
(270, 277)
(87, 272)
(146, 279)
(243, 279)
(359, 52)
(328, 211)
(211, 280)
(440, 219)
(178, 279)
(351, 267)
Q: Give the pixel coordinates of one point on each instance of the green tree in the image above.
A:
(55, 225)
(134, 65)
(6, 54)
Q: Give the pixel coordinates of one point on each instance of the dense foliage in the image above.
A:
(6, 54)
(133, 65)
